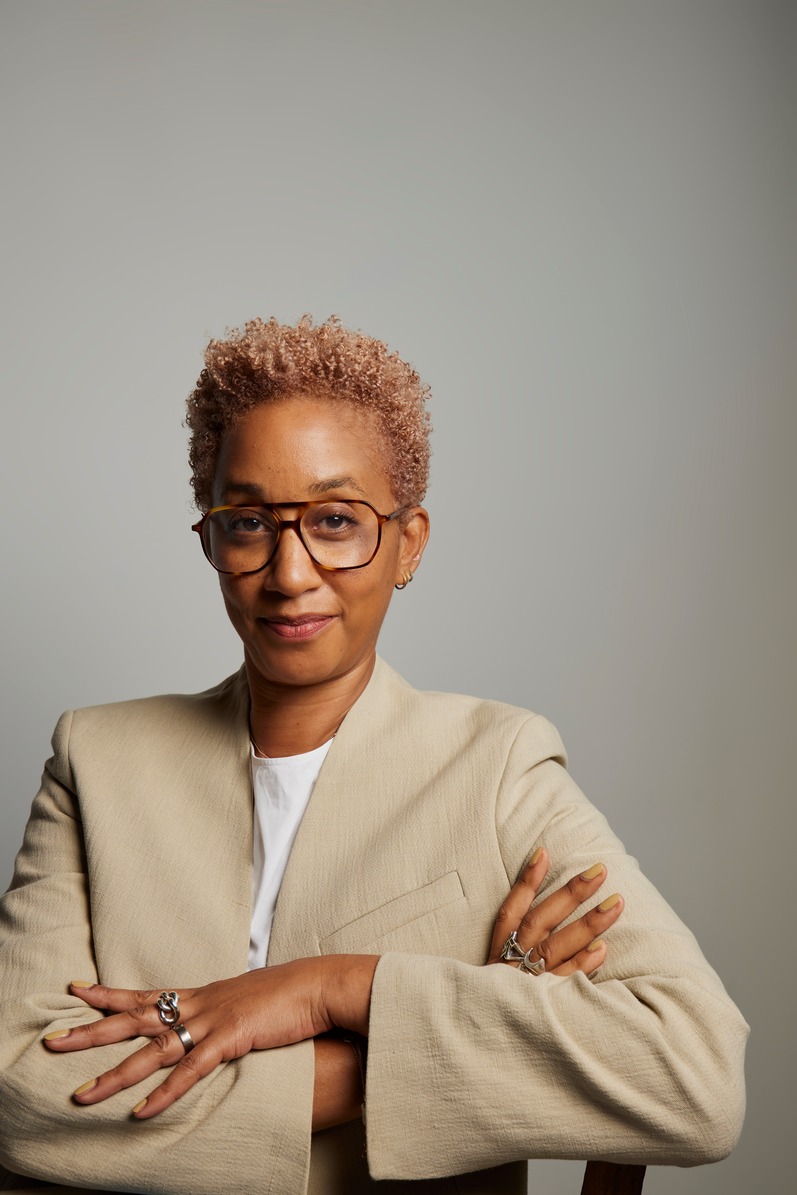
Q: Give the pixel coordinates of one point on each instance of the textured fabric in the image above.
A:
(281, 788)
(425, 809)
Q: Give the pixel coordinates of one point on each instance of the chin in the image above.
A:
(298, 665)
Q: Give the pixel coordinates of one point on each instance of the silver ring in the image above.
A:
(168, 1006)
(535, 968)
(512, 951)
(185, 1037)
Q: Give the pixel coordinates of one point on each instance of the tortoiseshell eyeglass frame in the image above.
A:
(294, 524)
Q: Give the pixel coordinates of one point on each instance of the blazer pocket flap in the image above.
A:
(393, 915)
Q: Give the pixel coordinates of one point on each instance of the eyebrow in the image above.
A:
(318, 487)
(334, 483)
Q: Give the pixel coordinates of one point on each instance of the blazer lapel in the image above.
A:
(322, 883)
(208, 845)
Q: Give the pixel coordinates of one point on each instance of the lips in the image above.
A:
(303, 627)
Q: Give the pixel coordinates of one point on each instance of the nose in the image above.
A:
(291, 570)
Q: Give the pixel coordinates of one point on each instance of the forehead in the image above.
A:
(286, 449)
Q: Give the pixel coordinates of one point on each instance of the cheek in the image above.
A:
(236, 598)
(373, 599)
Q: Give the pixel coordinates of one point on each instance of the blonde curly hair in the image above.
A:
(263, 362)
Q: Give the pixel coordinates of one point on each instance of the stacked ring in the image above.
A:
(168, 1008)
(185, 1037)
(513, 952)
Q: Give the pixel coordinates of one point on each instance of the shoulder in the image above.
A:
(174, 718)
(467, 721)
(220, 700)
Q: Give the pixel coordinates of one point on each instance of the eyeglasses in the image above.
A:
(337, 534)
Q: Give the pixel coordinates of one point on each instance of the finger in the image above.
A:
(113, 999)
(138, 1022)
(521, 896)
(193, 1067)
(165, 1049)
(563, 945)
(587, 961)
(542, 919)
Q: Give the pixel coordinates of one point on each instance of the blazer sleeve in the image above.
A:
(251, 1117)
(472, 1066)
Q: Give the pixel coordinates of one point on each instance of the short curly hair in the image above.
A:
(263, 362)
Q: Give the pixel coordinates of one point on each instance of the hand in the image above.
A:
(273, 1006)
(577, 947)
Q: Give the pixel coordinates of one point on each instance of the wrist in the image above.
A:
(359, 1047)
(337, 1090)
(347, 993)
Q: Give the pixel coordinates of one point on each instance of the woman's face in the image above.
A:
(301, 624)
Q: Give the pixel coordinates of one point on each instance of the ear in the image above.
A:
(414, 537)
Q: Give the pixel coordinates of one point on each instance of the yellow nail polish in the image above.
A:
(81, 983)
(139, 1106)
(593, 871)
(84, 1087)
(609, 903)
(596, 944)
(535, 857)
(57, 1033)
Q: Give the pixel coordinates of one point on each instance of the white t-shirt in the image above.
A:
(282, 790)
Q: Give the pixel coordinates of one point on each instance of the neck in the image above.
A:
(292, 719)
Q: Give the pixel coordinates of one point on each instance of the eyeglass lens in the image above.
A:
(336, 534)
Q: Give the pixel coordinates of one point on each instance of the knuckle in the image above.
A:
(190, 1066)
(162, 1044)
(503, 913)
(545, 949)
(90, 1030)
(592, 919)
(116, 1076)
(529, 921)
(574, 884)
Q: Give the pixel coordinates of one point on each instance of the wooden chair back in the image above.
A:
(612, 1178)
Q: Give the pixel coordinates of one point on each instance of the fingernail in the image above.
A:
(139, 1106)
(81, 983)
(57, 1033)
(595, 870)
(609, 903)
(596, 945)
(535, 857)
(84, 1087)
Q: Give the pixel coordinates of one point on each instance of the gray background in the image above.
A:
(576, 219)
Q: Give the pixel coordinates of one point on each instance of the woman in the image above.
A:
(144, 870)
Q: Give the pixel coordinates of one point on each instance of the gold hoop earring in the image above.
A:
(405, 580)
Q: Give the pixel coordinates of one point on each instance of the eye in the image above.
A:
(246, 523)
(333, 520)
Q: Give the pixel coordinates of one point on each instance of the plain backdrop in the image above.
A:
(577, 221)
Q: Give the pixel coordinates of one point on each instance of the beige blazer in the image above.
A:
(137, 869)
